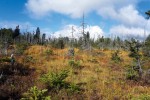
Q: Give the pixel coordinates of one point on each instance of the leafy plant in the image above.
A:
(73, 88)
(35, 94)
(5, 59)
(58, 43)
(29, 59)
(115, 56)
(131, 74)
(21, 47)
(146, 48)
(49, 52)
(142, 97)
(134, 47)
(98, 70)
(74, 64)
(55, 80)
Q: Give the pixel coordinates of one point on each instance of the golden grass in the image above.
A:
(104, 76)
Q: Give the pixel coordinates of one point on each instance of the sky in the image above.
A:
(109, 18)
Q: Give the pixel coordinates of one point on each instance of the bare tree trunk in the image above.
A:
(140, 71)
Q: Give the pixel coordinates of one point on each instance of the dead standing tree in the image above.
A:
(43, 39)
(86, 37)
(71, 48)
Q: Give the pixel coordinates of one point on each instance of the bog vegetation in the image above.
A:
(73, 69)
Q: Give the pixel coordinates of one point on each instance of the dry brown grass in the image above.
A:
(99, 77)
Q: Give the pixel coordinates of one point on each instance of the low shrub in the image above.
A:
(21, 47)
(115, 57)
(48, 52)
(35, 94)
(55, 80)
(131, 74)
(74, 64)
(5, 59)
(29, 59)
(142, 97)
(73, 88)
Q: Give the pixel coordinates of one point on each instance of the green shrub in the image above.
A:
(98, 70)
(49, 52)
(21, 47)
(131, 74)
(115, 57)
(73, 88)
(55, 80)
(5, 59)
(74, 64)
(93, 60)
(29, 59)
(35, 94)
(142, 97)
(58, 43)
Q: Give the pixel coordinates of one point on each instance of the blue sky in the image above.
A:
(104, 17)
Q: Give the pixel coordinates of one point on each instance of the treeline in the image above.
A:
(10, 37)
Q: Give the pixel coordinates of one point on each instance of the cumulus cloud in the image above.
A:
(73, 8)
(127, 15)
(66, 31)
(124, 12)
(129, 32)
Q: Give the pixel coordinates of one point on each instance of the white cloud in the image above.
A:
(127, 15)
(129, 32)
(124, 12)
(73, 8)
(66, 31)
